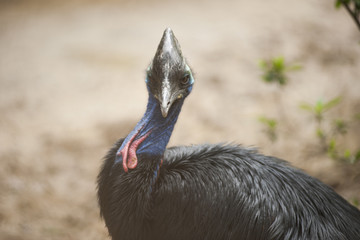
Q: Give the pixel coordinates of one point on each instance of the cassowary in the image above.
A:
(210, 192)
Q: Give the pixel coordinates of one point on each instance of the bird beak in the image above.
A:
(164, 111)
(167, 57)
(165, 101)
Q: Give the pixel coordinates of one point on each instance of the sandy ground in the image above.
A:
(72, 82)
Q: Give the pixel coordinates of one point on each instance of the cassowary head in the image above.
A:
(168, 77)
(169, 80)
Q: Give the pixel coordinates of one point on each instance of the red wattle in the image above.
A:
(129, 151)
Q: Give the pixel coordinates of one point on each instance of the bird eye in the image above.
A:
(185, 80)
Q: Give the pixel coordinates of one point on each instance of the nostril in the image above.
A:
(168, 103)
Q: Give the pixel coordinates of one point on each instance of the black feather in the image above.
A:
(221, 192)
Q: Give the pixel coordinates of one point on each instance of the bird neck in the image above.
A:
(151, 134)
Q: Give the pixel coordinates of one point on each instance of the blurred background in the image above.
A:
(72, 82)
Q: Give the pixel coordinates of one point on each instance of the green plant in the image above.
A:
(346, 156)
(320, 107)
(274, 70)
(318, 110)
(339, 127)
(352, 7)
(270, 127)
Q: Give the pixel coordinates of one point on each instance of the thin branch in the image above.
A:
(354, 14)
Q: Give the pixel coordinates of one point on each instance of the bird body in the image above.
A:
(210, 192)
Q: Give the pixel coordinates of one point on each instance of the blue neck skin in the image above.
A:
(160, 129)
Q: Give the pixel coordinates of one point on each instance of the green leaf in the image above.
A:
(340, 126)
(347, 154)
(332, 103)
(320, 133)
(357, 4)
(345, 1)
(294, 68)
(274, 70)
(332, 152)
(278, 63)
(338, 4)
(271, 123)
(307, 107)
(262, 119)
(263, 64)
(319, 107)
(332, 144)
